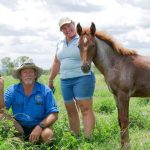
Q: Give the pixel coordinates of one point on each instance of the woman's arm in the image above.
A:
(54, 71)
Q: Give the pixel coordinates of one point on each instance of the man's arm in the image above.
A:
(49, 120)
(2, 104)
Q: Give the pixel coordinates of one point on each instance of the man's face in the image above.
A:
(28, 76)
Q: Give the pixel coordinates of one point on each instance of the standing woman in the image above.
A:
(77, 87)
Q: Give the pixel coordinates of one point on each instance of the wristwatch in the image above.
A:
(42, 125)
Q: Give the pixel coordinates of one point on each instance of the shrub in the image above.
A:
(104, 106)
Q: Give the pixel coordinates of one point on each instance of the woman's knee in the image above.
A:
(72, 109)
(86, 108)
(86, 111)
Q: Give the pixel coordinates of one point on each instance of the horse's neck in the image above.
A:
(105, 56)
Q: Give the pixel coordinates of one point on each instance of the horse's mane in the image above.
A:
(114, 44)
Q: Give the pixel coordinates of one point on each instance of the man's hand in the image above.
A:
(1, 84)
(35, 134)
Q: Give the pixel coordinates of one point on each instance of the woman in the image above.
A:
(77, 87)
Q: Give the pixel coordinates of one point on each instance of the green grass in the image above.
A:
(106, 135)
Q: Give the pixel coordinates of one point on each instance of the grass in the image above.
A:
(106, 135)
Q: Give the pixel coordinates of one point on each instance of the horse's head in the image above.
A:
(86, 45)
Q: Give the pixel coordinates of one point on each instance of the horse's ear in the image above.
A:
(79, 29)
(93, 29)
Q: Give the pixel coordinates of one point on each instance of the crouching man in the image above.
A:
(33, 104)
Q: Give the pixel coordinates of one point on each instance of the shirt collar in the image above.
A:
(35, 89)
(76, 37)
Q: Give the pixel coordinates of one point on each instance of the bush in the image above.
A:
(139, 117)
(104, 106)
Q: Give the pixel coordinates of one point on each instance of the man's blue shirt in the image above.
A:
(30, 110)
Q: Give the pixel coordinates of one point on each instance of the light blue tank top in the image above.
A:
(69, 57)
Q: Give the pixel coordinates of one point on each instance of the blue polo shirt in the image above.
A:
(30, 110)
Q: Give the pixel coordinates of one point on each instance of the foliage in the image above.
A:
(106, 106)
(106, 135)
(140, 116)
(7, 65)
(20, 60)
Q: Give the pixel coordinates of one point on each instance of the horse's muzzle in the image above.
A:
(85, 68)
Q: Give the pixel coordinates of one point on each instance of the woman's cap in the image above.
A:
(63, 21)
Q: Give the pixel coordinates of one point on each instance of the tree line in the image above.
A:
(7, 65)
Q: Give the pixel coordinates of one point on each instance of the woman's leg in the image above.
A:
(70, 104)
(73, 117)
(87, 116)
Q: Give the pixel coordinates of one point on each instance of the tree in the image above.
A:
(7, 65)
(20, 60)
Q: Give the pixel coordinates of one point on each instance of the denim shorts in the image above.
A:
(78, 88)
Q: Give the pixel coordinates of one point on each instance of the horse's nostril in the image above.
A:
(85, 68)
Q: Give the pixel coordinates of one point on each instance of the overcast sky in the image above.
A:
(30, 27)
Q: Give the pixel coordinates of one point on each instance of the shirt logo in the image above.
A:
(38, 100)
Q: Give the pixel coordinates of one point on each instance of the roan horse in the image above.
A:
(126, 73)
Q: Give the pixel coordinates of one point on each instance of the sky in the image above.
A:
(30, 27)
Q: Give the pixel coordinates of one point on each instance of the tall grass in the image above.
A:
(106, 135)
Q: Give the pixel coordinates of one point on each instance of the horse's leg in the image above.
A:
(122, 100)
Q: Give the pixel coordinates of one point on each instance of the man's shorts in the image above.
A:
(78, 88)
(27, 132)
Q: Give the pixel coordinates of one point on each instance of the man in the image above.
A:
(33, 104)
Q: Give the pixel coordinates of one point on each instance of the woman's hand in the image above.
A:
(51, 86)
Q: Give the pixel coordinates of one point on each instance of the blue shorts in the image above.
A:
(79, 88)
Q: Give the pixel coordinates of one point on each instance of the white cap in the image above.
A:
(63, 21)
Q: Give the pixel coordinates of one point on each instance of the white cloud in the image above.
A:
(30, 27)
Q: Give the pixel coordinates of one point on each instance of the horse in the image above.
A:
(127, 74)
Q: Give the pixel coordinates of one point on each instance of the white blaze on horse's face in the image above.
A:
(84, 55)
(85, 40)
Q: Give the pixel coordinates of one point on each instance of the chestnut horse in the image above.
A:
(126, 73)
